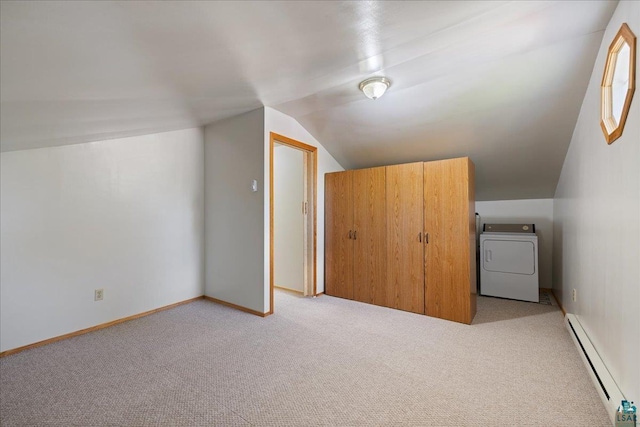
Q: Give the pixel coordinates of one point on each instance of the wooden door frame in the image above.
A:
(309, 150)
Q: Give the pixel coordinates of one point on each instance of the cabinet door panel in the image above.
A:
(447, 258)
(369, 227)
(405, 242)
(338, 226)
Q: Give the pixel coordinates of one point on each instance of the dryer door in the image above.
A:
(509, 256)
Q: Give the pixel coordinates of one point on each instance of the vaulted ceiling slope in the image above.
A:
(501, 82)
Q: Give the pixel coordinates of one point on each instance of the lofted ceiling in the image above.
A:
(499, 81)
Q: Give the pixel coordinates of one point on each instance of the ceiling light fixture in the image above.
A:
(375, 87)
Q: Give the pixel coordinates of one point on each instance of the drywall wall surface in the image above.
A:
(234, 225)
(123, 215)
(283, 124)
(536, 211)
(288, 218)
(597, 225)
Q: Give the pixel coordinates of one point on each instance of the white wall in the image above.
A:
(597, 225)
(536, 211)
(124, 215)
(234, 223)
(288, 234)
(282, 124)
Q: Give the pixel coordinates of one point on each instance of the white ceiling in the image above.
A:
(501, 82)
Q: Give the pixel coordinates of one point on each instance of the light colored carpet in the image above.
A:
(322, 361)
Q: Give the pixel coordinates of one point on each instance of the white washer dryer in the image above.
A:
(509, 262)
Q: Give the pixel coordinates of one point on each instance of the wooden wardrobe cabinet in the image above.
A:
(450, 251)
(355, 234)
(338, 224)
(403, 236)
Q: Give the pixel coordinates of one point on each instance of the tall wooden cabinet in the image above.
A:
(449, 224)
(403, 236)
(355, 234)
(338, 224)
(405, 240)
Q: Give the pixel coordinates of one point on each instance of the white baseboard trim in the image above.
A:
(604, 383)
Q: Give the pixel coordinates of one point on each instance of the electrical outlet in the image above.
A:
(99, 295)
(574, 295)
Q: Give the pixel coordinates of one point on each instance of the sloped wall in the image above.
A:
(597, 225)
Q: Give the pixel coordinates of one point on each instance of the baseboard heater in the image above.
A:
(607, 388)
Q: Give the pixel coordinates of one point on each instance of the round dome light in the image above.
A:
(375, 87)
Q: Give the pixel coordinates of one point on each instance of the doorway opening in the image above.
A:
(293, 199)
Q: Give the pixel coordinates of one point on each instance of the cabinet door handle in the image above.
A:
(354, 235)
(349, 233)
(426, 238)
(420, 237)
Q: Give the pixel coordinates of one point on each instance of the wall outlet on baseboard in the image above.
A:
(574, 295)
(98, 295)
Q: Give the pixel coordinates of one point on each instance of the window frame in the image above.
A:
(610, 127)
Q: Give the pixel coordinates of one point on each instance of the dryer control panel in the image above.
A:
(509, 228)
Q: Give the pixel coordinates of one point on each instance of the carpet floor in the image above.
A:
(316, 362)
